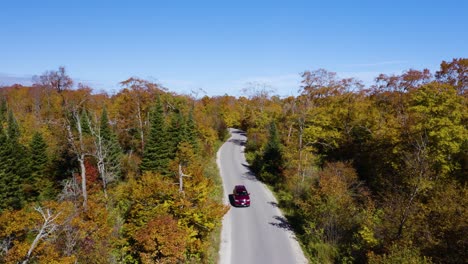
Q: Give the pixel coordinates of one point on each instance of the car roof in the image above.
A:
(240, 187)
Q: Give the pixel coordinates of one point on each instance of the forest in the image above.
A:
(364, 174)
(90, 178)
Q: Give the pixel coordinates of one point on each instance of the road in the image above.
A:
(259, 233)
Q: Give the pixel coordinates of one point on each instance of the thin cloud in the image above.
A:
(177, 83)
(375, 64)
(10, 79)
(183, 86)
(283, 85)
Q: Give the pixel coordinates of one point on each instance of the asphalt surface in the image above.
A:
(259, 233)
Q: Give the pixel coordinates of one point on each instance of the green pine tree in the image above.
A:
(18, 151)
(191, 132)
(111, 146)
(42, 186)
(272, 158)
(3, 110)
(85, 125)
(13, 131)
(176, 133)
(105, 128)
(39, 159)
(156, 154)
(11, 194)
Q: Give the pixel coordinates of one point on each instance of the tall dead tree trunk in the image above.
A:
(181, 179)
(78, 147)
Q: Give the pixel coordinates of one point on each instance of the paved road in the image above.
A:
(259, 233)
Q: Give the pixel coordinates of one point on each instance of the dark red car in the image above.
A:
(241, 196)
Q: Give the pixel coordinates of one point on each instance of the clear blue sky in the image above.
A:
(221, 46)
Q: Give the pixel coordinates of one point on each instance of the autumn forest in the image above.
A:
(364, 173)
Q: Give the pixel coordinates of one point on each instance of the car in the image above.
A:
(241, 196)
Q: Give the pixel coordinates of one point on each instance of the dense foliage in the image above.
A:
(91, 178)
(369, 174)
(364, 174)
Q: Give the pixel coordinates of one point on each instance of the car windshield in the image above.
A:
(242, 193)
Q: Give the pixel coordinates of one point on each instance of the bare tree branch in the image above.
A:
(48, 227)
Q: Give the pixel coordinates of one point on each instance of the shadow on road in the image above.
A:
(237, 142)
(273, 204)
(237, 131)
(249, 175)
(231, 200)
(282, 223)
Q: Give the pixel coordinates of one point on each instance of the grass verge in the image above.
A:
(212, 172)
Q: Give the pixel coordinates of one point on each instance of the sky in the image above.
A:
(222, 47)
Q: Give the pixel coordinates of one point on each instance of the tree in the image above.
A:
(409, 80)
(3, 110)
(439, 115)
(140, 94)
(403, 254)
(329, 212)
(13, 132)
(85, 122)
(320, 83)
(454, 73)
(272, 159)
(161, 240)
(107, 152)
(191, 131)
(19, 153)
(47, 228)
(39, 158)
(77, 141)
(10, 190)
(13, 166)
(57, 80)
(157, 150)
(176, 132)
(41, 183)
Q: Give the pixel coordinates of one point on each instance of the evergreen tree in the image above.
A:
(18, 151)
(41, 184)
(176, 133)
(111, 148)
(3, 110)
(85, 125)
(182, 129)
(156, 154)
(272, 158)
(13, 132)
(105, 129)
(39, 158)
(11, 195)
(191, 132)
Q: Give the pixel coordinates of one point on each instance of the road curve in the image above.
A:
(255, 234)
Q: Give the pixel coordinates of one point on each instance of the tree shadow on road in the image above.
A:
(274, 204)
(237, 142)
(281, 223)
(237, 131)
(249, 175)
